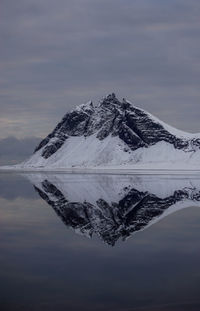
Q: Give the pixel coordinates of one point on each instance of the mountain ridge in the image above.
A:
(125, 121)
(113, 133)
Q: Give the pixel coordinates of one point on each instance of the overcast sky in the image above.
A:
(58, 54)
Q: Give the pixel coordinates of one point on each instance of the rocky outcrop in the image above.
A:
(132, 125)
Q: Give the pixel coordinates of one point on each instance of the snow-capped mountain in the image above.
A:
(114, 133)
(114, 207)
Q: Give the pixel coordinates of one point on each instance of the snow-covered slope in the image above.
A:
(114, 207)
(115, 134)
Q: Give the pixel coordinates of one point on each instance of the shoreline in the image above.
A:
(104, 170)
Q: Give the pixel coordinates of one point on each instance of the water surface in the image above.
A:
(89, 242)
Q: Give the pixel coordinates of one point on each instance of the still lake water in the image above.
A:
(97, 242)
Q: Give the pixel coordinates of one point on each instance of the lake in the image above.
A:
(99, 242)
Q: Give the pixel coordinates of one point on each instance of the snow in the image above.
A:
(112, 153)
(90, 152)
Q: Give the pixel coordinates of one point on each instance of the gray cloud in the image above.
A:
(13, 150)
(55, 55)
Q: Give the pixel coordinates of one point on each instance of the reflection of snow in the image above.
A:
(115, 206)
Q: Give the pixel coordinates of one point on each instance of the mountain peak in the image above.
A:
(110, 132)
(110, 96)
(110, 99)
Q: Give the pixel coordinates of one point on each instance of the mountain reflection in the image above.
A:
(114, 207)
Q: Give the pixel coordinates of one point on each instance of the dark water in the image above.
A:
(99, 243)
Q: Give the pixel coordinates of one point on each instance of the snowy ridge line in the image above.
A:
(114, 135)
(170, 128)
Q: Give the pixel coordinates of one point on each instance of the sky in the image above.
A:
(58, 54)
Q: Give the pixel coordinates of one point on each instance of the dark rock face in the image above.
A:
(112, 117)
(116, 220)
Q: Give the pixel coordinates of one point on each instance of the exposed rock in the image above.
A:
(132, 125)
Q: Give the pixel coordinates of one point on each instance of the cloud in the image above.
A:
(56, 55)
(13, 150)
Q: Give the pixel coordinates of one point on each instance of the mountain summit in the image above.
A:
(113, 133)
